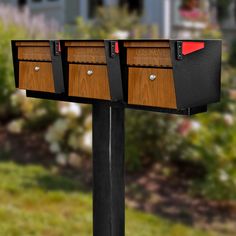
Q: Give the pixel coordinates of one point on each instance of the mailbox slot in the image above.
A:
(86, 52)
(34, 53)
(151, 53)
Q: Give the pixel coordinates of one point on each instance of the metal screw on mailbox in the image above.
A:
(152, 77)
(89, 72)
(37, 68)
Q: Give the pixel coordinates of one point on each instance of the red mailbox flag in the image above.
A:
(117, 50)
(190, 47)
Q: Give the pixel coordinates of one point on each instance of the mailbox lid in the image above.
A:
(81, 51)
(148, 53)
(197, 75)
(33, 50)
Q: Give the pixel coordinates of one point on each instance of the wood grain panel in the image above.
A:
(34, 53)
(90, 86)
(149, 57)
(32, 43)
(147, 44)
(157, 93)
(87, 55)
(84, 44)
(42, 80)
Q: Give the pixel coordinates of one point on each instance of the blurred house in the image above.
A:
(187, 18)
(229, 24)
(174, 18)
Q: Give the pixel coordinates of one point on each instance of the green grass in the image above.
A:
(34, 201)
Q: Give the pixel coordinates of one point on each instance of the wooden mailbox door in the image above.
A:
(150, 74)
(88, 77)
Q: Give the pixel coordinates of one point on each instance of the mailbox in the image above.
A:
(173, 74)
(87, 69)
(93, 69)
(38, 66)
(176, 76)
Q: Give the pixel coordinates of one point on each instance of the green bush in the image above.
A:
(15, 24)
(108, 24)
(151, 136)
(6, 67)
(213, 145)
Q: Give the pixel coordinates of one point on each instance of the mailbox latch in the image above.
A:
(57, 67)
(114, 48)
(57, 48)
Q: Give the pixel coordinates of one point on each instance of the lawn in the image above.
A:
(37, 201)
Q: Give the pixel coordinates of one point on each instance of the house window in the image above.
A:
(192, 10)
(22, 3)
(133, 5)
(93, 5)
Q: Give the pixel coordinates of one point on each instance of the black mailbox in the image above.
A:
(174, 76)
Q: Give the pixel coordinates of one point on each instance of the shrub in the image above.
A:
(150, 137)
(16, 24)
(213, 145)
(108, 24)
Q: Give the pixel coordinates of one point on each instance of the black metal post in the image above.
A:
(108, 170)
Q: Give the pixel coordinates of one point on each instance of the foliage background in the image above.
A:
(206, 141)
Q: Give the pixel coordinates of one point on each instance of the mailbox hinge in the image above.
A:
(179, 50)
